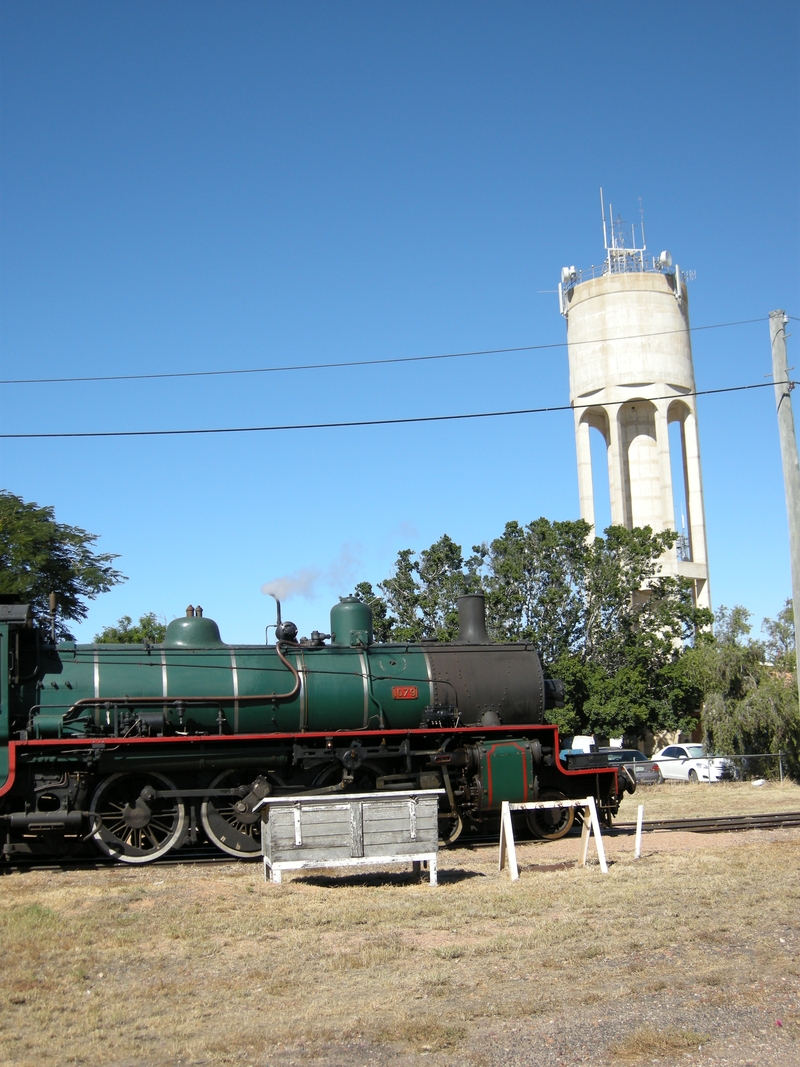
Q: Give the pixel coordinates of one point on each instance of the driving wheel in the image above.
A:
(130, 822)
(550, 823)
(451, 826)
(229, 821)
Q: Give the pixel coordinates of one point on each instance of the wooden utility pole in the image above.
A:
(791, 467)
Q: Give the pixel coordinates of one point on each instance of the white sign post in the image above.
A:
(639, 820)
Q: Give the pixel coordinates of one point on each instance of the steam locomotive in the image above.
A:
(141, 749)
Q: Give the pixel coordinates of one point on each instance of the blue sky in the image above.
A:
(199, 186)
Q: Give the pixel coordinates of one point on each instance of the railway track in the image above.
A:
(197, 855)
(200, 855)
(717, 824)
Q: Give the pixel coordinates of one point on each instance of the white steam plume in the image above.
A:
(306, 581)
(301, 583)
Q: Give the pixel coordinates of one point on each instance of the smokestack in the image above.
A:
(472, 620)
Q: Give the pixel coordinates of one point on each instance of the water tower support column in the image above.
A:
(616, 469)
(583, 445)
(664, 467)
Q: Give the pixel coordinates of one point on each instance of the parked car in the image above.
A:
(687, 763)
(644, 770)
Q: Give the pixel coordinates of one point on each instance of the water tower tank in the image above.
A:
(631, 376)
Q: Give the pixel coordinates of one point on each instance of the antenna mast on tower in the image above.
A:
(603, 213)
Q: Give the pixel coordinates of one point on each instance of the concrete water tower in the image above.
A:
(631, 378)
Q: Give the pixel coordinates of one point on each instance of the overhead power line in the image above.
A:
(363, 422)
(352, 362)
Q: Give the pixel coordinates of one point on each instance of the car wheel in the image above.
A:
(660, 780)
(693, 776)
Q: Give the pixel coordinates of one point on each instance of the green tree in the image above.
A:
(382, 622)
(534, 585)
(148, 629)
(39, 555)
(750, 705)
(423, 591)
(638, 682)
(780, 644)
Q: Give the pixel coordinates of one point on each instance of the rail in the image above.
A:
(722, 824)
(209, 855)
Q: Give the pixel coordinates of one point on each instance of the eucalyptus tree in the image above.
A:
(39, 556)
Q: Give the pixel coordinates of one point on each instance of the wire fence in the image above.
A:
(770, 766)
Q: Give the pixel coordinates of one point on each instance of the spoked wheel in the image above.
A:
(229, 821)
(362, 778)
(330, 774)
(550, 823)
(451, 826)
(130, 822)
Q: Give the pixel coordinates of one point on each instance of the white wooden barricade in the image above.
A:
(350, 830)
(590, 823)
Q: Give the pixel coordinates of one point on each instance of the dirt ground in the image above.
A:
(689, 955)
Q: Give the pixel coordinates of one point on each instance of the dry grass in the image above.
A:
(199, 965)
(648, 1042)
(682, 800)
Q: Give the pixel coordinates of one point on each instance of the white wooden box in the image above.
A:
(302, 833)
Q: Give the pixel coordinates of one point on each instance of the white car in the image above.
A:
(687, 763)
